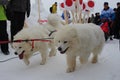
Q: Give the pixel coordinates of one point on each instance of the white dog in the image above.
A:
(54, 23)
(26, 49)
(80, 40)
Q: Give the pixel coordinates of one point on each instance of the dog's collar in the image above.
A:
(51, 32)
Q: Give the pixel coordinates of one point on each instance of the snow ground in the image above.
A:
(107, 68)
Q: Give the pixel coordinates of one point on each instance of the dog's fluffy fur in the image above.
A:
(54, 22)
(79, 40)
(25, 50)
(43, 31)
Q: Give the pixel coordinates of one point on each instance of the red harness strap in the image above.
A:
(38, 40)
(32, 45)
(18, 41)
(3, 42)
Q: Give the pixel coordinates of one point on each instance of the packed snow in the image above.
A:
(107, 68)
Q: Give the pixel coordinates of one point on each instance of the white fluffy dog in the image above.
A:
(80, 40)
(54, 23)
(26, 49)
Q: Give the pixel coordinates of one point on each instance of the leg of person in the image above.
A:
(118, 31)
(17, 23)
(110, 30)
(4, 37)
(115, 30)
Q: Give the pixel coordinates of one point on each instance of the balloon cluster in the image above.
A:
(71, 5)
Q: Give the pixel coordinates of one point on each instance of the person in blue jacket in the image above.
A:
(68, 15)
(108, 14)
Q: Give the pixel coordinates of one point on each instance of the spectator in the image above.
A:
(54, 8)
(115, 9)
(3, 29)
(68, 16)
(108, 15)
(117, 22)
(107, 12)
(92, 18)
(19, 8)
(97, 20)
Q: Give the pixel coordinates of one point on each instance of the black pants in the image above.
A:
(3, 35)
(110, 25)
(117, 29)
(17, 23)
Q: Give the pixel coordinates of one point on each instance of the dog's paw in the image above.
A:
(27, 63)
(42, 63)
(52, 53)
(94, 61)
(70, 70)
(83, 61)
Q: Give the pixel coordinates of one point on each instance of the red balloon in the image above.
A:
(80, 1)
(69, 3)
(84, 6)
(62, 5)
(91, 4)
(74, 0)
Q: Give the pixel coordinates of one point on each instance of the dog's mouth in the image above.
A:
(62, 52)
(21, 55)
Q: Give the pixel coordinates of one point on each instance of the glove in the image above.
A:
(28, 13)
(28, 8)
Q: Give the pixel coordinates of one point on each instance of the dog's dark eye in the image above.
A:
(65, 42)
(20, 47)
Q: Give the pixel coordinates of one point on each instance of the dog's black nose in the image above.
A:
(16, 53)
(59, 49)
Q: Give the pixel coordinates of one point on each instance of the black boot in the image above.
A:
(117, 37)
(111, 38)
(5, 49)
(6, 52)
